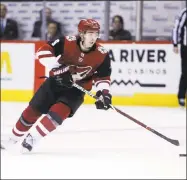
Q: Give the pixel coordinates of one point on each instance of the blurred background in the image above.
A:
(126, 27)
(142, 20)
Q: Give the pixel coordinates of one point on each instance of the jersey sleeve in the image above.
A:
(103, 73)
(177, 30)
(50, 53)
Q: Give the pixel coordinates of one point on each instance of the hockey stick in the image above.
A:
(173, 141)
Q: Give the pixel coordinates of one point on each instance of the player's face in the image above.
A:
(90, 37)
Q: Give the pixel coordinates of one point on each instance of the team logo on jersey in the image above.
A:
(79, 73)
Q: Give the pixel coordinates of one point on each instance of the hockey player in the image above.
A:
(70, 59)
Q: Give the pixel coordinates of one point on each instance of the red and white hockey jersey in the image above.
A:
(85, 67)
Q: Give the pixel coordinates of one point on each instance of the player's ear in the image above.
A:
(81, 35)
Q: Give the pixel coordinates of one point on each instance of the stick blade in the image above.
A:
(175, 142)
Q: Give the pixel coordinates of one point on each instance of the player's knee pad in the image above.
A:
(29, 116)
(59, 112)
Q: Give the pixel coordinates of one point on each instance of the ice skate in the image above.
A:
(28, 143)
(182, 102)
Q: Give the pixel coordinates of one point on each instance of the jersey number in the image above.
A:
(55, 42)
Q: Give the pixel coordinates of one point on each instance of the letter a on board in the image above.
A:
(5, 62)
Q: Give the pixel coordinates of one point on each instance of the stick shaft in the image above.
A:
(173, 141)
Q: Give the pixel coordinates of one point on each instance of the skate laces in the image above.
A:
(29, 139)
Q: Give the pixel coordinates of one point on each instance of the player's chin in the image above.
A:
(91, 45)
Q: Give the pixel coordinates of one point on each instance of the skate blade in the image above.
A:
(12, 149)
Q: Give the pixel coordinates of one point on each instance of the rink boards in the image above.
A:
(142, 73)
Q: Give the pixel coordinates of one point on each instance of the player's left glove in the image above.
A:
(62, 77)
(104, 99)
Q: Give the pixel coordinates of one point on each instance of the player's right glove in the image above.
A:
(62, 76)
(104, 99)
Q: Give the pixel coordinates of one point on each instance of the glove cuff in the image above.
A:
(103, 92)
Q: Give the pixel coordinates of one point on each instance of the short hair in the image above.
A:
(41, 11)
(52, 22)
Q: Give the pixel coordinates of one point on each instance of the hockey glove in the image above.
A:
(104, 99)
(62, 77)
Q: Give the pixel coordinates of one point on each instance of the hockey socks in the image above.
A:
(46, 125)
(25, 122)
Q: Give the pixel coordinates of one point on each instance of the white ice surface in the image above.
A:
(101, 144)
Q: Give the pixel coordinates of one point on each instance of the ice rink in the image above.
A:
(101, 144)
